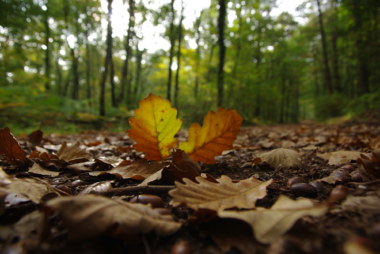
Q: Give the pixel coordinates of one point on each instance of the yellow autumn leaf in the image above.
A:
(217, 134)
(153, 127)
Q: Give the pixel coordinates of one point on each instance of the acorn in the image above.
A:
(338, 193)
(303, 189)
(295, 180)
(154, 200)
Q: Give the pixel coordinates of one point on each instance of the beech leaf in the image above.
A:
(72, 153)
(224, 194)
(90, 216)
(270, 224)
(217, 134)
(340, 157)
(153, 127)
(281, 158)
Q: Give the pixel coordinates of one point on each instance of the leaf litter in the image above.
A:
(121, 208)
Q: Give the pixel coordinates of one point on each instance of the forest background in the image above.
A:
(63, 67)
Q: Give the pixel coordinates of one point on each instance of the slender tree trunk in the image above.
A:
(136, 88)
(235, 67)
(58, 80)
(176, 90)
(107, 62)
(112, 81)
(88, 57)
(47, 44)
(327, 72)
(197, 54)
(222, 50)
(171, 51)
(125, 70)
(335, 54)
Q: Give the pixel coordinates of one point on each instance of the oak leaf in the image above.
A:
(217, 134)
(90, 216)
(153, 127)
(270, 224)
(224, 194)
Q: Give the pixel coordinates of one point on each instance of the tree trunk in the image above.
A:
(197, 54)
(335, 54)
(88, 57)
(124, 73)
(136, 88)
(107, 62)
(327, 73)
(176, 90)
(171, 52)
(47, 44)
(222, 50)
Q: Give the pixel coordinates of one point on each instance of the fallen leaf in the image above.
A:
(72, 153)
(281, 158)
(153, 127)
(238, 235)
(97, 187)
(10, 148)
(340, 157)
(140, 168)
(217, 134)
(37, 169)
(35, 137)
(91, 216)
(362, 204)
(370, 165)
(270, 224)
(25, 188)
(224, 194)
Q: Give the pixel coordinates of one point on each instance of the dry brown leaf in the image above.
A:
(224, 194)
(362, 204)
(139, 168)
(91, 216)
(281, 158)
(25, 188)
(340, 157)
(269, 224)
(97, 187)
(71, 153)
(37, 169)
(10, 148)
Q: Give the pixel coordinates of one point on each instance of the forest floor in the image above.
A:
(339, 169)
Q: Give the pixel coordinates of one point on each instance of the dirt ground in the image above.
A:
(339, 167)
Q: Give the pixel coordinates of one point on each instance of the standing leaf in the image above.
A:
(10, 148)
(217, 134)
(153, 127)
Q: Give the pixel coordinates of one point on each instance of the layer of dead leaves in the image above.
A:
(283, 189)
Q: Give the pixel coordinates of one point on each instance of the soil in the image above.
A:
(345, 228)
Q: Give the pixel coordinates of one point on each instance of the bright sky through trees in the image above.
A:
(152, 35)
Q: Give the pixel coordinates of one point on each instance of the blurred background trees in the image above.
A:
(60, 60)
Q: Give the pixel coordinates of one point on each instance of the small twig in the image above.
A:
(138, 189)
(365, 183)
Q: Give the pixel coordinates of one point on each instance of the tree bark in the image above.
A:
(47, 44)
(222, 50)
(171, 51)
(107, 61)
(334, 46)
(124, 74)
(327, 73)
(197, 54)
(176, 88)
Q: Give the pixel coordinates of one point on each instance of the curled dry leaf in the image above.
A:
(269, 224)
(9, 147)
(340, 157)
(91, 216)
(217, 134)
(153, 127)
(370, 165)
(72, 153)
(224, 194)
(35, 137)
(281, 158)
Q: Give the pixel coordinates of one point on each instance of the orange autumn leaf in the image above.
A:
(153, 127)
(217, 134)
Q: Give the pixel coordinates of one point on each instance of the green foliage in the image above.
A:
(330, 106)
